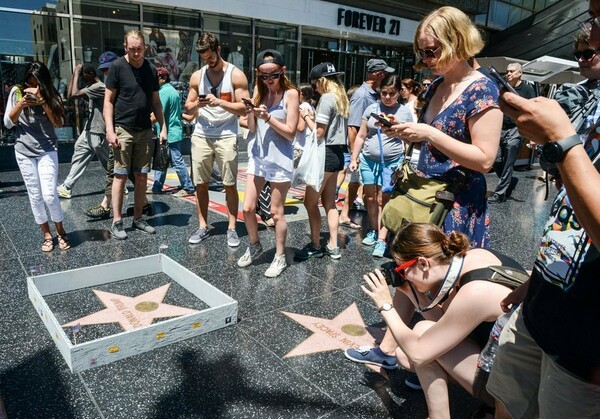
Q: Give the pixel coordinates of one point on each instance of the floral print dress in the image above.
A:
(469, 214)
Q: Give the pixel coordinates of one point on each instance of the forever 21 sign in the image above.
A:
(368, 21)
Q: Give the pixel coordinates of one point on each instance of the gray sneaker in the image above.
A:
(277, 267)
(198, 235)
(63, 192)
(232, 238)
(118, 231)
(141, 224)
(252, 253)
(332, 253)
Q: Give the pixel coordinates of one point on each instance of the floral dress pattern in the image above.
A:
(469, 214)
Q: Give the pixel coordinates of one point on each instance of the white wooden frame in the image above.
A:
(222, 311)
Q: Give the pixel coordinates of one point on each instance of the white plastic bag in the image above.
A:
(311, 166)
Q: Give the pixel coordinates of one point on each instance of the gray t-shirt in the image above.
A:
(361, 98)
(337, 125)
(95, 93)
(35, 135)
(393, 148)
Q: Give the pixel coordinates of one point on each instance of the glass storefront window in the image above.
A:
(225, 24)
(162, 17)
(107, 10)
(276, 30)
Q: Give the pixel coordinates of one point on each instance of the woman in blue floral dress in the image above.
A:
(460, 128)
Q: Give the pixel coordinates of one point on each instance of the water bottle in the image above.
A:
(487, 355)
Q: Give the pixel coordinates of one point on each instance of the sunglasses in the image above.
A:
(265, 77)
(586, 26)
(586, 54)
(401, 268)
(427, 53)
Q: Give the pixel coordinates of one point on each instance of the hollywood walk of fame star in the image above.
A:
(346, 330)
(132, 312)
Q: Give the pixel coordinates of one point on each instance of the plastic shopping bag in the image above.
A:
(162, 156)
(312, 164)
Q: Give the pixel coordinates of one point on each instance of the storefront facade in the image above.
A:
(65, 33)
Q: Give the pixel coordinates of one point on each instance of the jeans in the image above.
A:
(180, 168)
(40, 175)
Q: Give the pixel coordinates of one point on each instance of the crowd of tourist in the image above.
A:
(441, 134)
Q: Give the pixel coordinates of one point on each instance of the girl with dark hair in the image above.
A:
(409, 91)
(378, 156)
(450, 284)
(272, 123)
(306, 122)
(35, 109)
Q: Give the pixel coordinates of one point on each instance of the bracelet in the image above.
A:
(268, 119)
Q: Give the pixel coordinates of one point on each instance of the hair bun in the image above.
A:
(456, 244)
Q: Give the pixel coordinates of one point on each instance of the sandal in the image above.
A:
(63, 242)
(48, 245)
(350, 224)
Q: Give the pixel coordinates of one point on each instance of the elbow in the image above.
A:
(486, 166)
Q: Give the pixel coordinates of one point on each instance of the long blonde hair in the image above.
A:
(332, 85)
(458, 36)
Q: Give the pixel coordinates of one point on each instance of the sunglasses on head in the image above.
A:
(265, 77)
(586, 26)
(401, 268)
(586, 54)
(427, 53)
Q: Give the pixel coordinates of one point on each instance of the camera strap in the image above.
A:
(450, 279)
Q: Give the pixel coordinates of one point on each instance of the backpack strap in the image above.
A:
(503, 275)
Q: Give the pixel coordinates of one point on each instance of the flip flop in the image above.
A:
(350, 224)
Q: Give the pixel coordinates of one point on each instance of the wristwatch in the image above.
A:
(385, 307)
(554, 152)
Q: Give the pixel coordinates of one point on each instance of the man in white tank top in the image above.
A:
(215, 97)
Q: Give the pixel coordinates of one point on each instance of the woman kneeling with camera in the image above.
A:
(451, 286)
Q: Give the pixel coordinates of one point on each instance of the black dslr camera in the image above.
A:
(388, 270)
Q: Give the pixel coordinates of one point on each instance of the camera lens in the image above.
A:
(388, 270)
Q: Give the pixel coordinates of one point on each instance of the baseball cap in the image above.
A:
(375, 64)
(162, 72)
(106, 59)
(269, 56)
(323, 70)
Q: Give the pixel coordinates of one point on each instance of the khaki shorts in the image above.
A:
(135, 151)
(206, 150)
(531, 385)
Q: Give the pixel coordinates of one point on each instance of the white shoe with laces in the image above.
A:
(277, 267)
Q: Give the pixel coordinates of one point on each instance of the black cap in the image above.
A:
(269, 56)
(324, 70)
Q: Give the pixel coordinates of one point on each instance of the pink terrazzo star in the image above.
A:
(346, 330)
(132, 312)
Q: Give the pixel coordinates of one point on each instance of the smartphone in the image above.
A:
(383, 120)
(202, 97)
(31, 96)
(501, 80)
(248, 102)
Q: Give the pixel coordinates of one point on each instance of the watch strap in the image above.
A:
(385, 307)
(570, 142)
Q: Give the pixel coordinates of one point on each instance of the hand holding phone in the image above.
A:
(202, 97)
(382, 119)
(31, 96)
(501, 80)
(248, 102)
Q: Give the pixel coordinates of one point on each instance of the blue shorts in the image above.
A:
(372, 173)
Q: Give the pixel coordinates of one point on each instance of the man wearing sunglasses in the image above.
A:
(215, 96)
(548, 361)
(510, 139)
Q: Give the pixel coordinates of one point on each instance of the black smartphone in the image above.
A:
(383, 120)
(202, 97)
(31, 96)
(501, 80)
(248, 102)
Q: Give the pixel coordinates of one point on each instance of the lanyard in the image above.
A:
(450, 279)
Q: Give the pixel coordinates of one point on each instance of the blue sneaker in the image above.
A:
(412, 381)
(372, 356)
(379, 249)
(371, 238)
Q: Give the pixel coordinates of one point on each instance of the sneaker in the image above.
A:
(371, 238)
(63, 192)
(198, 235)
(182, 193)
(252, 253)
(309, 251)
(277, 267)
(98, 212)
(372, 356)
(379, 249)
(151, 191)
(118, 231)
(497, 198)
(333, 253)
(413, 382)
(141, 224)
(232, 238)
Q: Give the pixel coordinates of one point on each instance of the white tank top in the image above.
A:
(214, 121)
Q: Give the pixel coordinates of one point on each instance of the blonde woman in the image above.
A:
(332, 127)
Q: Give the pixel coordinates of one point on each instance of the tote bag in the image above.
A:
(311, 167)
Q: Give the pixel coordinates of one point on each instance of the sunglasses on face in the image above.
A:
(265, 77)
(400, 269)
(586, 54)
(427, 53)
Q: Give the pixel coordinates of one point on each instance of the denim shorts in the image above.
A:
(374, 173)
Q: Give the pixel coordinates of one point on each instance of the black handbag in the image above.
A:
(162, 156)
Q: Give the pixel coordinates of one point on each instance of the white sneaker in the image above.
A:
(277, 267)
(252, 252)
